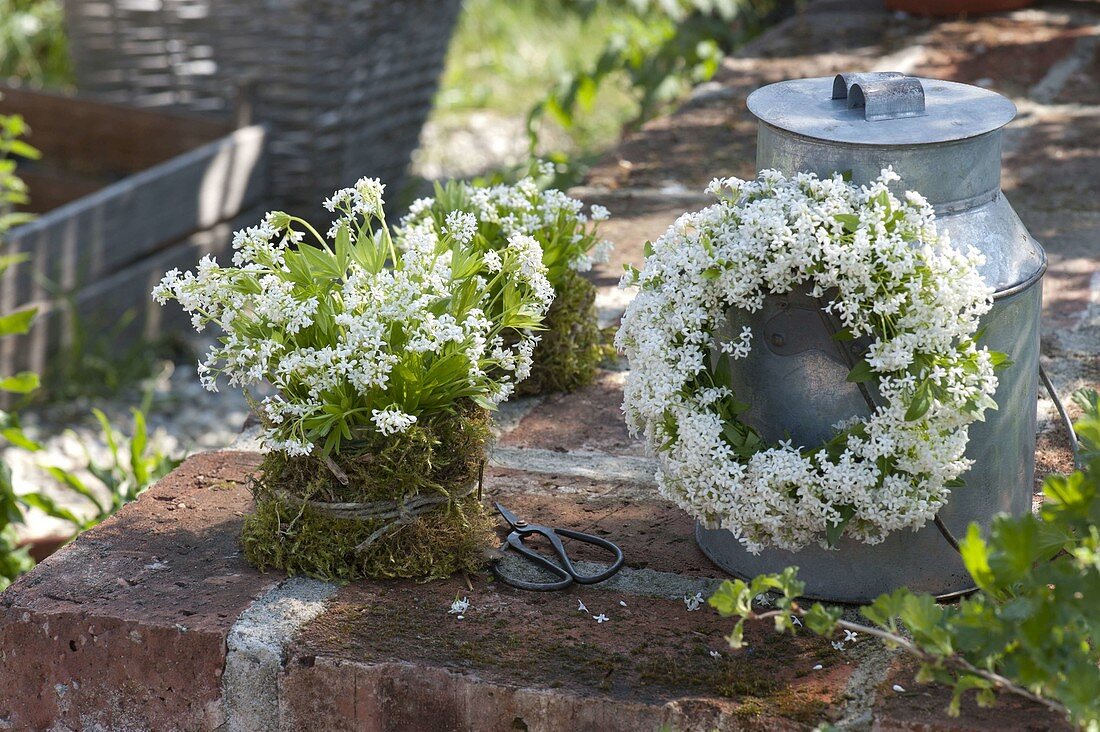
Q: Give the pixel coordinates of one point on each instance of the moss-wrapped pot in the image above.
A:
(303, 523)
(570, 349)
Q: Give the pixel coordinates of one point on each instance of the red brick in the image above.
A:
(923, 708)
(587, 419)
(633, 222)
(653, 533)
(126, 627)
(523, 660)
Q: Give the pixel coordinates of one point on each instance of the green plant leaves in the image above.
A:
(975, 555)
(22, 383)
(736, 638)
(50, 507)
(921, 402)
(822, 619)
(21, 149)
(18, 322)
(320, 263)
(1031, 628)
(861, 373)
(834, 530)
(850, 221)
(13, 560)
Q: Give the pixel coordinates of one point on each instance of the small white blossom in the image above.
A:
(581, 607)
(693, 602)
(850, 636)
(601, 618)
(715, 654)
(492, 261)
(553, 220)
(459, 606)
(599, 213)
(461, 226)
(898, 688)
(391, 420)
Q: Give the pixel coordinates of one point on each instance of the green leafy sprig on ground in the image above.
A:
(1030, 630)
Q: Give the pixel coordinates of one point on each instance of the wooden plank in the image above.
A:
(84, 241)
(97, 138)
(121, 296)
(52, 187)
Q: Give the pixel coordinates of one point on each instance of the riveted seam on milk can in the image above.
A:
(951, 155)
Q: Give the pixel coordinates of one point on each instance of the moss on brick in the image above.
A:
(572, 346)
(441, 454)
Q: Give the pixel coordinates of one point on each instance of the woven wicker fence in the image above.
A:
(344, 87)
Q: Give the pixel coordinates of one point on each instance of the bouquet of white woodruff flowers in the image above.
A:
(569, 349)
(383, 361)
(355, 335)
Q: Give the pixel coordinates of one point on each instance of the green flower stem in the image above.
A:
(309, 227)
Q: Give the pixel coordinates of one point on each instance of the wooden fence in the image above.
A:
(343, 87)
(149, 191)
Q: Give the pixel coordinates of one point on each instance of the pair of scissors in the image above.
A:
(566, 573)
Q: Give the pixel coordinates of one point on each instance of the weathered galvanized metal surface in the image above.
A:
(796, 383)
(805, 107)
(893, 97)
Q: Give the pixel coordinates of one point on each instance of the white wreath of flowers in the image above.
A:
(889, 277)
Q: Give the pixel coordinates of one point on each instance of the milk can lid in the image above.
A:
(881, 108)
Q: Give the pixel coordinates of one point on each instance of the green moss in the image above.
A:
(438, 454)
(731, 676)
(801, 706)
(572, 345)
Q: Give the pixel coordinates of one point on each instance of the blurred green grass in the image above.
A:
(33, 46)
(506, 55)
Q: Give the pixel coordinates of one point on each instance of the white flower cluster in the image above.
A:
(890, 279)
(364, 333)
(556, 221)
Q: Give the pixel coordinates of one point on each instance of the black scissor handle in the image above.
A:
(584, 579)
(515, 541)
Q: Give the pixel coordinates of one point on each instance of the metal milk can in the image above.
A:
(944, 140)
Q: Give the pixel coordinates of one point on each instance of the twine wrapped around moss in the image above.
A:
(571, 347)
(410, 506)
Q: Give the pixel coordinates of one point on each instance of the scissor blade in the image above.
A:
(514, 520)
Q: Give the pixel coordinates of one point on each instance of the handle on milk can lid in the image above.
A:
(881, 94)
